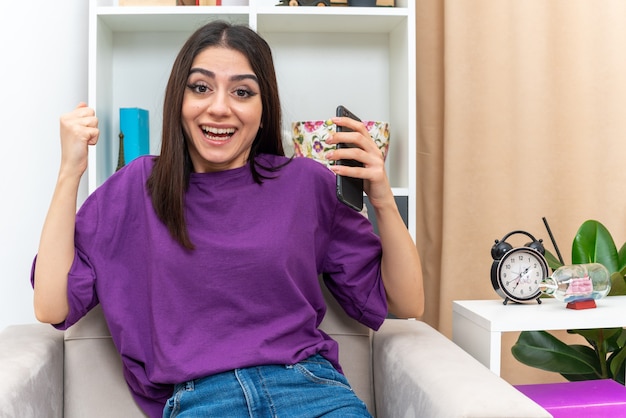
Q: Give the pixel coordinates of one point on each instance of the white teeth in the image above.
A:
(220, 131)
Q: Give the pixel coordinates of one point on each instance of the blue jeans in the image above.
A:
(311, 388)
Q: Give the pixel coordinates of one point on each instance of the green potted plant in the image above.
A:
(604, 355)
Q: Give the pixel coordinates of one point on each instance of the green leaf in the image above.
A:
(542, 350)
(618, 284)
(581, 377)
(621, 256)
(553, 262)
(593, 243)
(615, 341)
(589, 353)
(617, 365)
(621, 340)
(598, 336)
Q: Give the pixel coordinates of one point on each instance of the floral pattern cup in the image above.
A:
(309, 138)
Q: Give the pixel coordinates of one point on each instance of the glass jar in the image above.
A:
(578, 282)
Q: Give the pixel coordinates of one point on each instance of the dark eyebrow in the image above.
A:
(238, 77)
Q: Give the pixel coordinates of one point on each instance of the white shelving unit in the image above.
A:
(361, 57)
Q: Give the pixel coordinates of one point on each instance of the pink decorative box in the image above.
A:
(589, 398)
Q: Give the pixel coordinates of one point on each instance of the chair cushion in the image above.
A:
(94, 381)
(354, 348)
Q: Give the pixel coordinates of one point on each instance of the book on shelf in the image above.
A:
(169, 2)
(199, 2)
(135, 126)
(147, 2)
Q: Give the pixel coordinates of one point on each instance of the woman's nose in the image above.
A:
(219, 105)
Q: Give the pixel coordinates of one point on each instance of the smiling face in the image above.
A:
(221, 111)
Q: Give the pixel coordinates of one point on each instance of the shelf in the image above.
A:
(271, 18)
(400, 191)
(363, 58)
(166, 19)
(330, 20)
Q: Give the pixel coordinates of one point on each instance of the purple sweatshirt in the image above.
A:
(247, 295)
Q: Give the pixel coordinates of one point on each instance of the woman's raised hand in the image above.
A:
(79, 129)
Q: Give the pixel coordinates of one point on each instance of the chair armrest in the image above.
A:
(419, 372)
(31, 360)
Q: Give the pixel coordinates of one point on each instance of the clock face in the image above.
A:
(520, 273)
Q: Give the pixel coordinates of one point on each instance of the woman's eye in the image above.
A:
(243, 93)
(198, 88)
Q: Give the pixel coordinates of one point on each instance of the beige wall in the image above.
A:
(521, 115)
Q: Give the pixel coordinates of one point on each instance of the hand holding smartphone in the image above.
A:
(349, 189)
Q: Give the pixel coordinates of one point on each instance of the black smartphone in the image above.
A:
(349, 189)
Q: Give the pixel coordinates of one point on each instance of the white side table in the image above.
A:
(477, 325)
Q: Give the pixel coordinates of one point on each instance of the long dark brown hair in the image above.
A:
(169, 179)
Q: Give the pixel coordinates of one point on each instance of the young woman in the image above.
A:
(206, 259)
